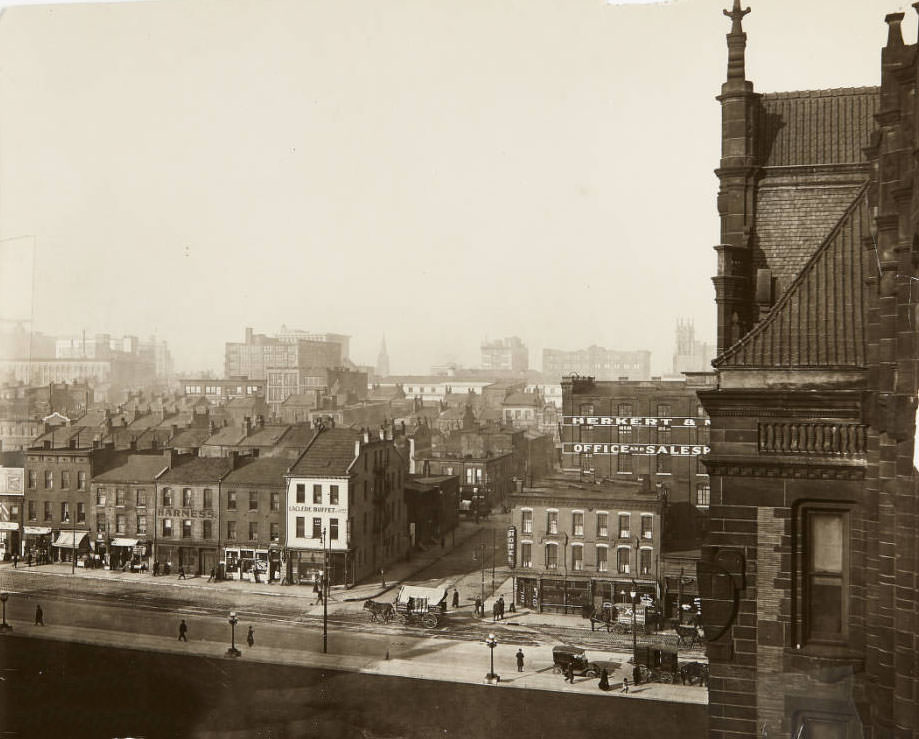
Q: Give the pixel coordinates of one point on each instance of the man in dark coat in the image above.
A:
(569, 673)
(183, 631)
(455, 598)
(181, 572)
(478, 606)
(604, 680)
(636, 675)
(501, 608)
(519, 660)
(250, 637)
(39, 616)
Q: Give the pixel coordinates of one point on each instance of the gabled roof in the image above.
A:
(331, 453)
(819, 321)
(189, 438)
(199, 469)
(259, 471)
(265, 436)
(135, 468)
(521, 399)
(815, 126)
(227, 435)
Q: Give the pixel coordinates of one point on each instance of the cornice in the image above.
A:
(806, 468)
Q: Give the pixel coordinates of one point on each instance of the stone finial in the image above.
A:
(894, 32)
(736, 15)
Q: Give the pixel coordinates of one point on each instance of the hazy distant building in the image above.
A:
(293, 335)
(382, 368)
(258, 353)
(20, 342)
(505, 354)
(691, 355)
(596, 362)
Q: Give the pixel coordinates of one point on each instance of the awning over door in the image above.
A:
(9, 526)
(70, 539)
(124, 542)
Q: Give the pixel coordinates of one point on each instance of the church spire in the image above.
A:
(382, 368)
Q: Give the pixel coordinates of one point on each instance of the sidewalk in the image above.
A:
(396, 573)
(462, 662)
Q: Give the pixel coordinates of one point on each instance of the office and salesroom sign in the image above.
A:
(637, 421)
(674, 450)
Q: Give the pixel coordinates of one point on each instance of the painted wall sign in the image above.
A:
(511, 546)
(649, 421)
(186, 513)
(299, 508)
(674, 450)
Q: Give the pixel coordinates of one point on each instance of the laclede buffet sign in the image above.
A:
(641, 421)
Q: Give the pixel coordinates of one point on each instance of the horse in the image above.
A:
(379, 611)
(692, 670)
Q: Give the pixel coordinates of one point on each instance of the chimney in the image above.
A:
(357, 448)
(234, 459)
(170, 457)
(211, 428)
(518, 485)
(366, 436)
(382, 433)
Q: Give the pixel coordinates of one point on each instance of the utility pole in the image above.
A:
(492, 562)
(325, 595)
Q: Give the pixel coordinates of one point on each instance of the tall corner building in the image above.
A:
(809, 572)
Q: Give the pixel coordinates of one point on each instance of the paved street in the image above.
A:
(141, 612)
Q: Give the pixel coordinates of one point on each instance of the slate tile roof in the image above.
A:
(815, 126)
(331, 453)
(792, 219)
(199, 469)
(259, 471)
(135, 468)
(819, 321)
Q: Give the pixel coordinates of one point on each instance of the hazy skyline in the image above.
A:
(438, 172)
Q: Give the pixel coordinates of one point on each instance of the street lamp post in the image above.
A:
(232, 620)
(491, 642)
(4, 626)
(633, 592)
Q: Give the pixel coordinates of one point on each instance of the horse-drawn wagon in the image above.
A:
(419, 605)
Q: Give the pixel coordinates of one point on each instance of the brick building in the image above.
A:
(345, 507)
(122, 510)
(12, 482)
(573, 545)
(186, 531)
(662, 417)
(252, 518)
(596, 361)
(809, 573)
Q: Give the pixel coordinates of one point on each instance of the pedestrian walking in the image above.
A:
(183, 631)
(39, 616)
(636, 675)
(455, 598)
(604, 680)
(501, 608)
(181, 572)
(494, 611)
(213, 574)
(250, 637)
(625, 685)
(478, 606)
(15, 561)
(569, 673)
(30, 558)
(156, 567)
(519, 660)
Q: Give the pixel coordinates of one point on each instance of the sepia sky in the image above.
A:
(441, 172)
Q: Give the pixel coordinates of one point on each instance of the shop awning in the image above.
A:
(9, 526)
(124, 542)
(70, 539)
(37, 530)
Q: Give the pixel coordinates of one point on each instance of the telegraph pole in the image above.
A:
(325, 595)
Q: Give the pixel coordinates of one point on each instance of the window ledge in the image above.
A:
(828, 662)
